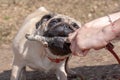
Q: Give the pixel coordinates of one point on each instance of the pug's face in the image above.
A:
(58, 27)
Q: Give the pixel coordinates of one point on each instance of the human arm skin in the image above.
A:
(103, 21)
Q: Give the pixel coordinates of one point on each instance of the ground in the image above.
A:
(97, 65)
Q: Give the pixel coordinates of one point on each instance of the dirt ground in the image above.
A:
(97, 65)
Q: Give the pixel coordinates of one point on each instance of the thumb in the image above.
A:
(71, 36)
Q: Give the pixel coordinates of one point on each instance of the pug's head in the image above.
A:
(55, 28)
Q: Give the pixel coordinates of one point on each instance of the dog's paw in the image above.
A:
(29, 37)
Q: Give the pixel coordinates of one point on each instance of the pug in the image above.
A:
(42, 44)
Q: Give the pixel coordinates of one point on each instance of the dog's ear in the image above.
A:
(42, 9)
(44, 19)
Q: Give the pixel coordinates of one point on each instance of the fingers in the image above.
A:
(85, 39)
(97, 47)
(77, 50)
(99, 41)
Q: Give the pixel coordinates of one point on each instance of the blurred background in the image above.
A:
(95, 66)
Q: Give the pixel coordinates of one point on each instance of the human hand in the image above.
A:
(87, 38)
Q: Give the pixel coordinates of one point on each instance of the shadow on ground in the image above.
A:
(105, 72)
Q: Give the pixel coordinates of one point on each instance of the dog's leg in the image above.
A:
(22, 75)
(61, 73)
(18, 70)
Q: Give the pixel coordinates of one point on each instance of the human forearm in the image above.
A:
(112, 30)
(114, 16)
(116, 27)
(103, 21)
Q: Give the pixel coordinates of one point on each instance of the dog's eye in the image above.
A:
(74, 25)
